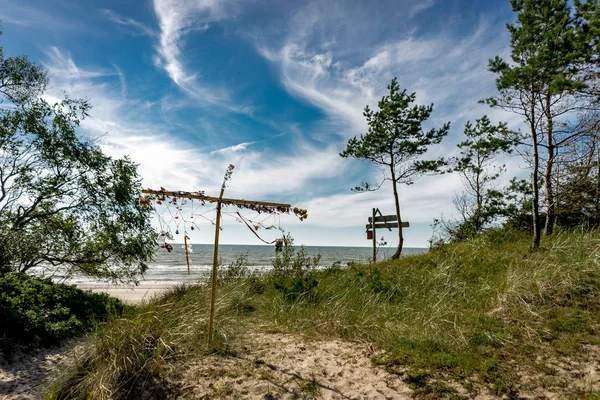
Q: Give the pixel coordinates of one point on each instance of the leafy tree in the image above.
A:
(396, 141)
(63, 203)
(484, 142)
(588, 19)
(547, 52)
(578, 179)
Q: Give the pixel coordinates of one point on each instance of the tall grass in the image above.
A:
(465, 310)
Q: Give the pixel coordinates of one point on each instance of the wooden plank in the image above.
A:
(210, 199)
(388, 225)
(383, 218)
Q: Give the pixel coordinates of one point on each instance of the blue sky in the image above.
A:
(274, 87)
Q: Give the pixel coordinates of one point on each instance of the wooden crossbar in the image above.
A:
(260, 206)
(199, 196)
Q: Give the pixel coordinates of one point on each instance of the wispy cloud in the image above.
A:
(446, 70)
(178, 18)
(61, 65)
(233, 149)
(420, 7)
(122, 81)
(19, 13)
(136, 27)
(126, 126)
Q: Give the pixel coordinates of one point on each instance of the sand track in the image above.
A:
(23, 378)
(277, 366)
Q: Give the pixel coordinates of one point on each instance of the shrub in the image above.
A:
(37, 311)
(294, 273)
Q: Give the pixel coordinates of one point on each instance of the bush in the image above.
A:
(294, 273)
(36, 311)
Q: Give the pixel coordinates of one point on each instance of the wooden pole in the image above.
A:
(374, 237)
(187, 252)
(213, 293)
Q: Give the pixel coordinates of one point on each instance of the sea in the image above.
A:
(171, 268)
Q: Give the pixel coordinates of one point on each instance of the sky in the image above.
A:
(186, 87)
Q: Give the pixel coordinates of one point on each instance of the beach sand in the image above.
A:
(128, 293)
(24, 377)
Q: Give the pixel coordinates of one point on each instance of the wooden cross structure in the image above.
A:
(259, 206)
(381, 221)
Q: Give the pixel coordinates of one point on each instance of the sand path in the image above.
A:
(23, 378)
(278, 366)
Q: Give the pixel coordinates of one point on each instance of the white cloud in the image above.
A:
(233, 149)
(178, 18)
(137, 27)
(341, 76)
(62, 65)
(126, 126)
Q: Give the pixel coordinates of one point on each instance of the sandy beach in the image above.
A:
(128, 293)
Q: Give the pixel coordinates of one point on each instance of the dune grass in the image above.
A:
(466, 312)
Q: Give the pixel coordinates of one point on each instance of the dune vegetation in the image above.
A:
(484, 315)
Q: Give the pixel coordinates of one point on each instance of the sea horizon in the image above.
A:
(170, 268)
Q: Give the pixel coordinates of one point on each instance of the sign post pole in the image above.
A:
(374, 237)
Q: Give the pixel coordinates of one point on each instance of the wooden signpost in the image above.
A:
(381, 221)
(259, 206)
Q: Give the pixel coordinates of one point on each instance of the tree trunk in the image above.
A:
(550, 206)
(398, 217)
(597, 199)
(535, 209)
(479, 200)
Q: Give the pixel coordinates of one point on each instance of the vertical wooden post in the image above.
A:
(213, 293)
(187, 252)
(374, 237)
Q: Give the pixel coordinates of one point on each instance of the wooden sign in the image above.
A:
(383, 218)
(378, 222)
(388, 225)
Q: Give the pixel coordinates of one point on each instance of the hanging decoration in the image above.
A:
(177, 199)
(162, 240)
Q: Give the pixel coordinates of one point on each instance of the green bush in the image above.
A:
(37, 311)
(294, 273)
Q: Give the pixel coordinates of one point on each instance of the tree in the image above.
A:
(64, 205)
(547, 53)
(396, 141)
(578, 200)
(588, 20)
(484, 142)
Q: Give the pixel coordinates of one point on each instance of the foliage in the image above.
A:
(62, 201)
(37, 311)
(484, 142)
(293, 272)
(396, 142)
(549, 55)
(238, 270)
(578, 180)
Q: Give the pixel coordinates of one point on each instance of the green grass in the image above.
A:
(465, 312)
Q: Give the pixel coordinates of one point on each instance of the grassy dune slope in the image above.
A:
(487, 315)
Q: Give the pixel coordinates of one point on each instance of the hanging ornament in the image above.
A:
(279, 245)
